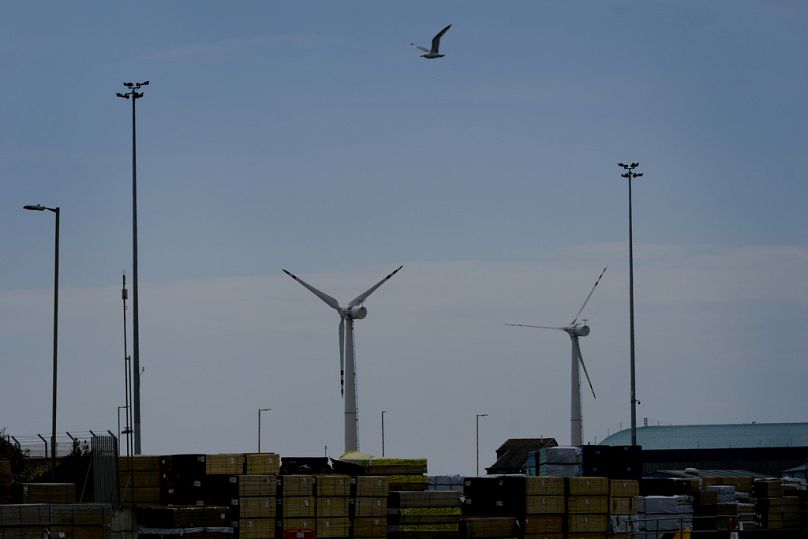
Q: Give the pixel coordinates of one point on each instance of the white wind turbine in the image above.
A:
(347, 358)
(575, 329)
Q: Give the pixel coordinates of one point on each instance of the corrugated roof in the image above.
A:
(686, 474)
(715, 436)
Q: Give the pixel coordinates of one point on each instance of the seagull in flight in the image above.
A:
(433, 52)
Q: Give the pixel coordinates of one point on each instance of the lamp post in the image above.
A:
(630, 175)
(133, 93)
(478, 441)
(383, 412)
(39, 207)
(259, 425)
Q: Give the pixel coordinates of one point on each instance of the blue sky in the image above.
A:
(312, 137)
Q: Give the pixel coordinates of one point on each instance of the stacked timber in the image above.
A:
(262, 464)
(587, 506)
(332, 495)
(560, 461)
(221, 482)
(769, 503)
(139, 480)
(46, 492)
(5, 481)
(623, 506)
(424, 515)
(179, 520)
(402, 474)
(224, 464)
(542, 512)
(452, 483)
(795, 510)
(705, 510)
(297, 507)
(535, 505)
(368, 507)
(489, 528)
(182, 479)
(79, 521)
(257, 506)
(659, 516)
(614, 462)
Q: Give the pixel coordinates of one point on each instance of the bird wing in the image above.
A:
(436, 39)
(419, 47)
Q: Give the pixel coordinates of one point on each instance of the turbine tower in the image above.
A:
(575, 329)
(347, 356)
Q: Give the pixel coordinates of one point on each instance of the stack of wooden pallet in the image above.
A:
(257, 505)
(332, 494)
(5, 481)
(79, 521)
(368, 507)
(46, 492)
(423, 514)
(402, 474)
(139, 480)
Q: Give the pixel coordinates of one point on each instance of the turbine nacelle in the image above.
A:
(578, 330)
(357, 312)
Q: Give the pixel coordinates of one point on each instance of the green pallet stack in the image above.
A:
(423, 514)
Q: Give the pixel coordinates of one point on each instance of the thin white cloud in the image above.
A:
(227, 46)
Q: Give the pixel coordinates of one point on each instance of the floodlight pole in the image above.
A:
(478, 441)
(39, 207)
(135, 95)
(630, 175)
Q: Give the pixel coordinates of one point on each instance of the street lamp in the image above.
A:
(39, 207)
(630, 175)
(259, 425)
(133, 93)
(478, 441)
(383, 412)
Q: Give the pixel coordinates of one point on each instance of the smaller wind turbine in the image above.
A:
(575, 329)
(431, 53)
(355, 310)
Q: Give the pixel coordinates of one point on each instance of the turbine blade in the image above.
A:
(342, 356)
(540, 327)
(581, 359)
(323, 296)
(358, 300)
(587, 297)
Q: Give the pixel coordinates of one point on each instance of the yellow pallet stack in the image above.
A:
(262, 463)
(224, 464)
(544, 507)
(587, 507)
(297, 508)
(257, 506)
(622, 507)
(332, 495)
(139, 480)
(368, 507)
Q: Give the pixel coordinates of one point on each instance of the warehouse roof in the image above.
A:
(715, 436)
